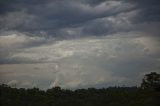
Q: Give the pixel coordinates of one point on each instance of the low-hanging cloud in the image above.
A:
(88, 62)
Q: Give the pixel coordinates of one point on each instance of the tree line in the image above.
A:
(148, 94)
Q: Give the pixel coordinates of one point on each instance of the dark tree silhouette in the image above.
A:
(111, 96)
(151, 81)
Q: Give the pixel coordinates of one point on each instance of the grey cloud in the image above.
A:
(93, 2)
(87, 62)
(27, 75)
(13, 42)
(107, 26)
(52, 16)
(148, 10)
(100, 27)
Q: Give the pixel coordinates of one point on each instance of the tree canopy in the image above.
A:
(151, 81)
(111, 96)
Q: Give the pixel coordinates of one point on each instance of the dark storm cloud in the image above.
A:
(93, 2)
(52, 16)
(147, 18)
(74, 18)
(149, 10)
(10, 5)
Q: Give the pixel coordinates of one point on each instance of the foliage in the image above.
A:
(112, 96)
(151, 81)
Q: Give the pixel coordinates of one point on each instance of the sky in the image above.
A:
(78, 43)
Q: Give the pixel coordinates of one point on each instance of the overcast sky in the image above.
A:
(78, 43)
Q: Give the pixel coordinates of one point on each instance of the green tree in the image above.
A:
(151, 81)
